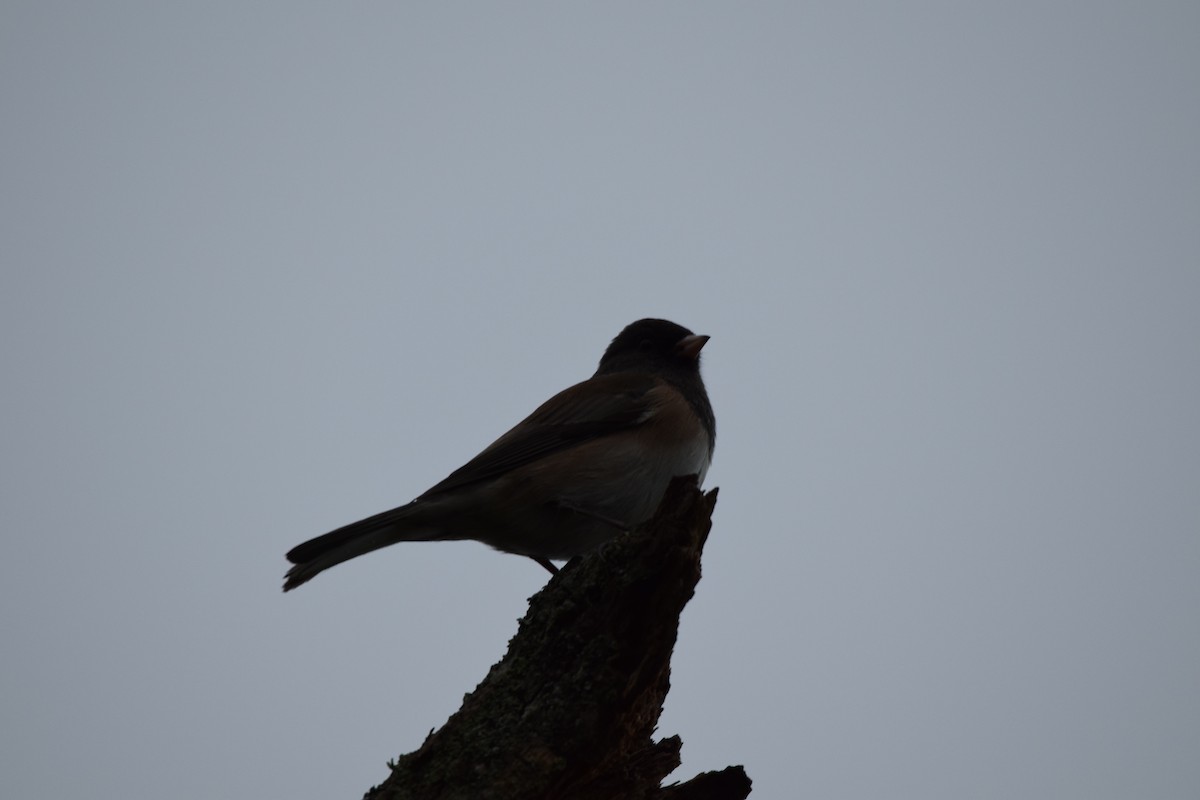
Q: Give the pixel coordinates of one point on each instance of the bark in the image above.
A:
(571, 709)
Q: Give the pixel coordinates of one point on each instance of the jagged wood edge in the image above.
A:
(570, 710)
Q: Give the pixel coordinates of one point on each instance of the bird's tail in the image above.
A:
(358, 538)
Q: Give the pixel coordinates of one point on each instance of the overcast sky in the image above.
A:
(270, 268)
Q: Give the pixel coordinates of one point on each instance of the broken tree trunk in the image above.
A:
(570, 710)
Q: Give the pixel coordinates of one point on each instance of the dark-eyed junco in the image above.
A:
(592, 461)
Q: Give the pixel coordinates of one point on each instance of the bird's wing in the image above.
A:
(599, 406)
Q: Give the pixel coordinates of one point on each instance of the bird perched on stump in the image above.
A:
(590, 462)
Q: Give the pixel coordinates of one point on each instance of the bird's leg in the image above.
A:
(621, 526)
(547, 563)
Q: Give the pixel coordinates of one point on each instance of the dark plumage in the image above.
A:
(590, 462)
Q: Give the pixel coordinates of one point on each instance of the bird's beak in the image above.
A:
(691, 345)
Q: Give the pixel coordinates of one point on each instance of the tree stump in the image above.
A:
(570, 710)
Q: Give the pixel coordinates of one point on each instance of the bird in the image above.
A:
(592, 461)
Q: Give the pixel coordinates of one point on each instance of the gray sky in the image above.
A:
(269, 269)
